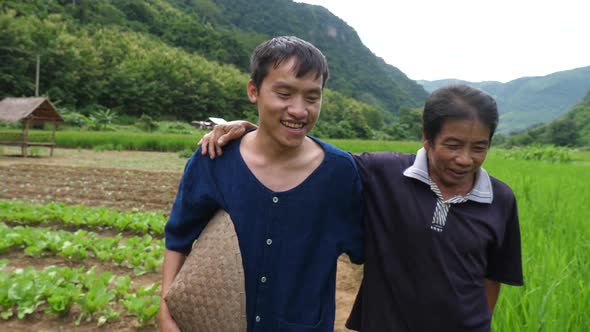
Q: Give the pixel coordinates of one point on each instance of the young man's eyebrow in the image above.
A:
(453, 139)
(285, 85)
(282, 85)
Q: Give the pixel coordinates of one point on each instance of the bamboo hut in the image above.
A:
(28, 111)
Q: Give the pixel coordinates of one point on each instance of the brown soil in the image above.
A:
(119, 180)
(110, 187)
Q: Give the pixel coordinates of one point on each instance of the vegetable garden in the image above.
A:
(81, 240)
(88, 265)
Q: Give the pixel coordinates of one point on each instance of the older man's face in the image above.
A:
(458, 151)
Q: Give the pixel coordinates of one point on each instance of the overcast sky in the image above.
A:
(473, 40)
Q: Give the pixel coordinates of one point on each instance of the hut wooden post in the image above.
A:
(52, 138)
(25, 137)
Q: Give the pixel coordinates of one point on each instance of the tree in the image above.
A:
(103, 118)
(146, 123)
(562, 132)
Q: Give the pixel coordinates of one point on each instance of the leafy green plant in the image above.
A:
(176, 127)
(102, 118)
(94, 302)
(142, 254)
(146, 123)
(62, 298)
(23, 292)
(547, 153)
(79, 215)
(144, 304)
(185, 154)
(74, 119)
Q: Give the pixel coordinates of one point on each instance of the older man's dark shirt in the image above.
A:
(423, 278)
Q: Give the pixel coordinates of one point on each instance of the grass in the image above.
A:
(552, 201)
(358, 146)
(127, 141)
(117, 140)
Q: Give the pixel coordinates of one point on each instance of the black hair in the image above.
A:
(275, 51)
(458, 101)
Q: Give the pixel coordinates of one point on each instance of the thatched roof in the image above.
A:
(34, 108)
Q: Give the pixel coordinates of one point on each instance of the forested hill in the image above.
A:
(217, 31)
(355, 70)
(528, 101)
(571, 129)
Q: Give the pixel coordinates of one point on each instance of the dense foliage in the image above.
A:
(355, 70)
(127, 71)
(184, 60)
(572, 129)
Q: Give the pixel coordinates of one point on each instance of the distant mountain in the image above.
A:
(355, 70)
(187, 59)
(571, 129)
(527, 101)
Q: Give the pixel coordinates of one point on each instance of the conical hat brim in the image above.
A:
(208, 293)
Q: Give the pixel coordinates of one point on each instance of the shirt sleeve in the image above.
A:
(353, 246)
(504, 260)
(195, 203)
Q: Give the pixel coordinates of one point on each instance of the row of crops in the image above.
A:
(132, 241)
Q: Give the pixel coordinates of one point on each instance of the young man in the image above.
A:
(292, 215)
(441, 234)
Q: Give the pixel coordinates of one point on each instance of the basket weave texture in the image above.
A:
(208, 293)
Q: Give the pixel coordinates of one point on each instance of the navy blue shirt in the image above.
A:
(420, 278)
(290, 241)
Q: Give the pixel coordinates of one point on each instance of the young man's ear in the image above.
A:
(252, 92)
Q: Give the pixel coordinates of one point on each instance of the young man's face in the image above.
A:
(457, 153)
(288, 106)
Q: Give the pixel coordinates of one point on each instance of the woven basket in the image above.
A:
(208, 292)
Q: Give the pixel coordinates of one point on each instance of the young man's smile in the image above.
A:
(292, 124)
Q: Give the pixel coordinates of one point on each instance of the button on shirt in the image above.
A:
(290, 241)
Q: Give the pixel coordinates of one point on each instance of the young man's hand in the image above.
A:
(222, 134)
(166, 322)
(173, 261)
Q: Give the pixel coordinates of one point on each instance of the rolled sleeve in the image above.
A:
(353, 245)
(195, 203)
(505, 260)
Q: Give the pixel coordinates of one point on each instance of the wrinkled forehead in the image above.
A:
(469, 128)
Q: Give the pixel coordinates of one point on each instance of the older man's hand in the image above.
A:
(222, 134)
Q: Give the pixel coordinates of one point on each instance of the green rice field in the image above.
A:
(553, 202)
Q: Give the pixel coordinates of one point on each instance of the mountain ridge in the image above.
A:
(528, 101)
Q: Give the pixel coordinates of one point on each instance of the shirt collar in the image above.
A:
(482, 190)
